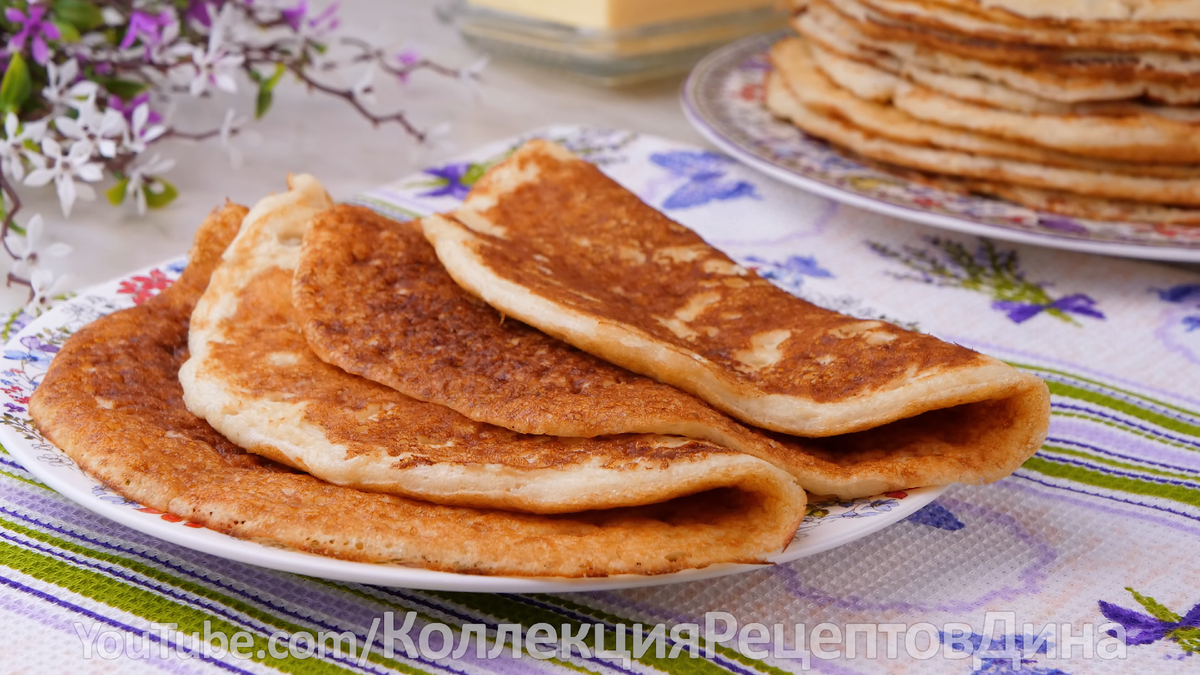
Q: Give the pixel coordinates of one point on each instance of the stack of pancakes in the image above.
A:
(1088, 109)
(553, 380)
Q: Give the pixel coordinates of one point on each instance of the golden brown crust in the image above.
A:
(627, 283)
(113, 402)
(376, 302)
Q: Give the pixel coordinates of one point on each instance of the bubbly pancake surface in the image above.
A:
(112, 400)
(253, 377)
(549, 239)
(377, 302)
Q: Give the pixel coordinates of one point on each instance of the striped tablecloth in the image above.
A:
(1087, 560)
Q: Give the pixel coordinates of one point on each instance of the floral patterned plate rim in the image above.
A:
(722, 99)
(34, 342)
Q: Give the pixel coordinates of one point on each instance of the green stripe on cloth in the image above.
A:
(1099, 459)
(1126, 428)
(731, 654)
(182, 584)
(527, 615)
(146, 604)
(1177, 493)
(1114, 403)
(393, 604)
(32, 481)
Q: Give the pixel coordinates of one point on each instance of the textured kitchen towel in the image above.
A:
(1102, 526)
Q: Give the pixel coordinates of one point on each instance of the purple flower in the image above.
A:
(126, 109)
(147, 26)
(32, 27)
(1020, 312)
(1180, 293)
(706, 174)
(406, 58)
(198, 11)
(1142, 629)
(453, 175)
(297, 17)
(35, 343)
(13, 408)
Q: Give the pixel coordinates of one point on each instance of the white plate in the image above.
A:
(28, 354)
(723, 100)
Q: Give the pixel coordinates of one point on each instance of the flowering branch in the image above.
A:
(82, 80)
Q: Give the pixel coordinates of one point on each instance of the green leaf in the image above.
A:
(473, 174)
(15, 87)
(262, 103)
(116, 193)
(1156, 610)
(160, 193)
(266, 89)
(125, 89)
(69, 33)
(81, 14)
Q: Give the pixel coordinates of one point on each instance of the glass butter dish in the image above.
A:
(610, 42)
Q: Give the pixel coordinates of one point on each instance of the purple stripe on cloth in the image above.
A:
(1128, 422)
(33, 612)
(204, 603)
(1000, 350)
(1055, 494)
(514, 667)
(1103, 468)
(723, 661)
(1097, 437)
(1021, 473)
(114, 623)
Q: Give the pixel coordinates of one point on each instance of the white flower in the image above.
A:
(215, 66)
(45, 286)
(64, 170)
(13, 146)
(112, 17)
(229, 127)
(364, 89)
(139, 135)
(101, 128)
(139, 180)
(472, 74)
(59, 88)
(26, 248)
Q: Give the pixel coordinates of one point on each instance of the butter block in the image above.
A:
(618, 14)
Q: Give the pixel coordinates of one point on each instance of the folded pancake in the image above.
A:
(112, 400)
(253, 377)
(376, 302)
(548, 239)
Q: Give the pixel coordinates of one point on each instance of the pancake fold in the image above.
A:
(375, 301)
(113, 401)
(548, 239)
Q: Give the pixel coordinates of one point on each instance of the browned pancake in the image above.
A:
(379, 304)
(547, 238)
(253, 377)
(113, 402)
(376, 302)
